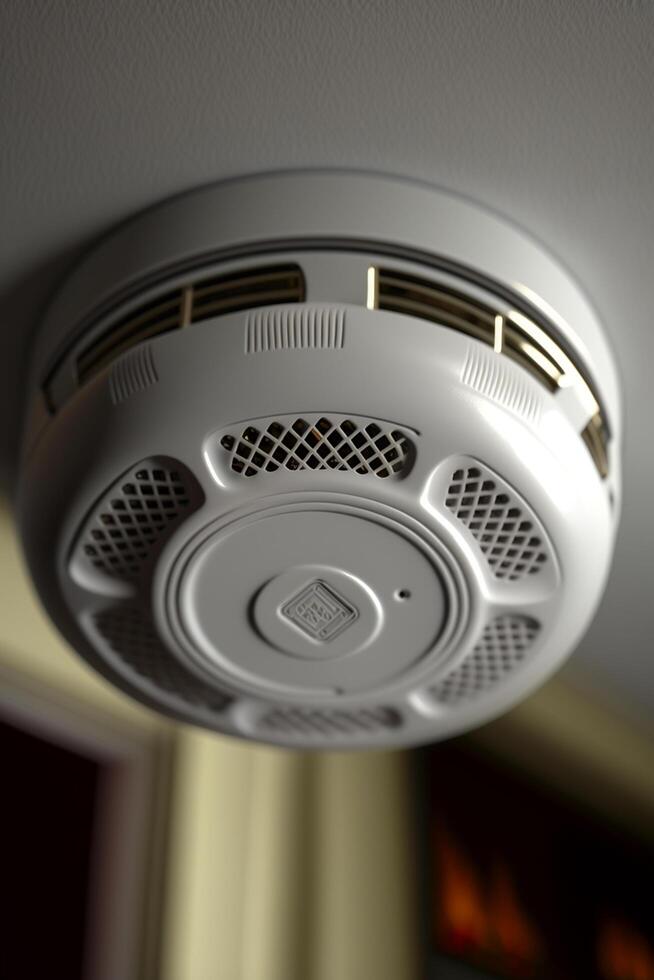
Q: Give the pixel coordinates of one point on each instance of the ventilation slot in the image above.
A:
(129, 631)
(133, 519)
(197, 301)
(596, 439)
(151, 320)
(403, 293)
(504, 530)
(511, 334)
(243, 290)
(306, 723)
(362, 447)
(504, 644)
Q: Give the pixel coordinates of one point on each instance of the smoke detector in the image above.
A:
(323, 460)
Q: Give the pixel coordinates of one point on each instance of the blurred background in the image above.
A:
(134, 847)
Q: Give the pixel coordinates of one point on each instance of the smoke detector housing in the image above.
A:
(323, 460)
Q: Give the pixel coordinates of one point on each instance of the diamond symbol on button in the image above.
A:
(319, 611)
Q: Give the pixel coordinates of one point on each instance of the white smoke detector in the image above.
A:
(322, 460)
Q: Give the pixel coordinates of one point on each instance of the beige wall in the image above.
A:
(290, 866)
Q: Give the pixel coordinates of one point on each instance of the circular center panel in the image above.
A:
(310, 598)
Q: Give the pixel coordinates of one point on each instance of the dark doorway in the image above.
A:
(48, 809)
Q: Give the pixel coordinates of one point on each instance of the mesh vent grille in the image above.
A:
(129, 631)
(305, 723)
(363, 447)
(497, 521)
(135, 515)
(504, 644)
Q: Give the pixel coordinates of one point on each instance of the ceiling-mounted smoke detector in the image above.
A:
(322, 460)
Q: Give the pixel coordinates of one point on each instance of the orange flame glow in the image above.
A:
(480, 917)
(462, 907)
(623, 954)
(517, 936)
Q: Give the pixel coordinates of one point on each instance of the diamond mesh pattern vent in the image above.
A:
(129, 631)
(305, 723)
(504, 530)
(135, 515)
(361, 446)
(504, 644)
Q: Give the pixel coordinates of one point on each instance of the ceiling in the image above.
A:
(543, 111)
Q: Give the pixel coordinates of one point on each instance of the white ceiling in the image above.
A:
(540, 109)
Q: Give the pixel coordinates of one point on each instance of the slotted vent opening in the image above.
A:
(128, 630)
(504, 645)
(320, 723)
(519, 338)
(505, 533)
(597, 438)
(135, 516)
(404, 293)
(363, 447)
(149, 320)
(400, 292)
(199, 300)
(244, 290)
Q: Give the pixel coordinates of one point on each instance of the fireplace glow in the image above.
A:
(481, 915)
(525, 883)
(622, 953)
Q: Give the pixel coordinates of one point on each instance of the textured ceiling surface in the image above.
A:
(543, 111)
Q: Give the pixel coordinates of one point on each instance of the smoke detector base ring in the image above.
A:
(328, 630)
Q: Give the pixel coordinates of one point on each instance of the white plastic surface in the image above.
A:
(328, 594)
